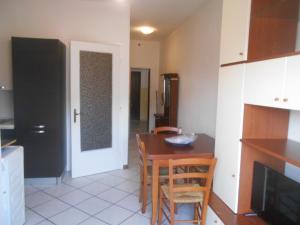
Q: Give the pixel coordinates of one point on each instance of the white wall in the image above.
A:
(95, 21)
(145, 54)
(192, 51)
(294, 134)
(6, 104)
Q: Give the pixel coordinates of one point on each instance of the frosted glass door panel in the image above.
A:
(94, 82)
(95, 100)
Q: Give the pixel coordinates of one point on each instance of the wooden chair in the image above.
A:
(146, 172)
(180, 192)
(175, 130)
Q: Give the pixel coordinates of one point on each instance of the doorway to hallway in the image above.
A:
(139, 100)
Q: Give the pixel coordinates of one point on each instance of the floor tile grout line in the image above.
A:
(94, 216)
(70, 206)
(74, 206)
(126, 219)
(90, 218)
(126, 178)
(112, 204)
(44, 218)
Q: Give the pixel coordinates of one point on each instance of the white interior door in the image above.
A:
(94, 108)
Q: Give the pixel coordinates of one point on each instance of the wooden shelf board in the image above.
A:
(282, 149)
(262, 59)
(230, 218)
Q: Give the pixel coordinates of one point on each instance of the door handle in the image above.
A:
(75, 115)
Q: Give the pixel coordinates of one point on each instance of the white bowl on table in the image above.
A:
(183, 139)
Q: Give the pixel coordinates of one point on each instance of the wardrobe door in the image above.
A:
(264, 82)
(228, 134)
(37, 101)
(235, 31)
(290, 99)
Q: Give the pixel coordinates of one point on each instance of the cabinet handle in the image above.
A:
(39, 126)
(39, 131)
(215, 221)
(2, 87)
(285, 99)
(241, 53)
(233, 175)
(276, 99)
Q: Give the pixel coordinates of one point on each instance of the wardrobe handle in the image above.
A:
(276, 99)
(39, 131)
(285, 99)
(39, 126)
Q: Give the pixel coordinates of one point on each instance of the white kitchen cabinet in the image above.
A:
(12, 179)
(230, 111)
(235, 30)
(291, 94)
(274, 83)
(5, 65)
(212, 218)
(264, 82)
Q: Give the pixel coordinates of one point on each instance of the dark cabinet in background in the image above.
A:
(39, 104)
(170, 84)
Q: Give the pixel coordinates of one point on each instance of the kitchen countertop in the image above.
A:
(7, 124)
(7, 142)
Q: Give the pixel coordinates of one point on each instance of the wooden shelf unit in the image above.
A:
(265, 139)
(228, 217)
(281, 149)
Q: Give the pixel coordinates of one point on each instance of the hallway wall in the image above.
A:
(192, 51)
(145, 54)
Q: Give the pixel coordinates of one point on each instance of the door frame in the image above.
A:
(149, 85)
(75, 103)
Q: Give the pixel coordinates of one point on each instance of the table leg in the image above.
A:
(155, 181)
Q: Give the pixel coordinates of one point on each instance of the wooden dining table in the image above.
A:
(159, 152)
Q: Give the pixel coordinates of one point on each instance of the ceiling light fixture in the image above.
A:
(146, 29)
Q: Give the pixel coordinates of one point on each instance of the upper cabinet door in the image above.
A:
(235, 30)
(264, 82)
(291, 96)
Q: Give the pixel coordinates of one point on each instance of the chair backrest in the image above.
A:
(203, 177)
(142, 151)
(175, 130)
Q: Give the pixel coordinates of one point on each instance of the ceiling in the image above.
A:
(164, 15)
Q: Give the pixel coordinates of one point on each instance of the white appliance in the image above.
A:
(12, 186)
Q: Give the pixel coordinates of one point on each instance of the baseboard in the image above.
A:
(125, 167)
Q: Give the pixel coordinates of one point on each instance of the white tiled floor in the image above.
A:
(101, 199)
